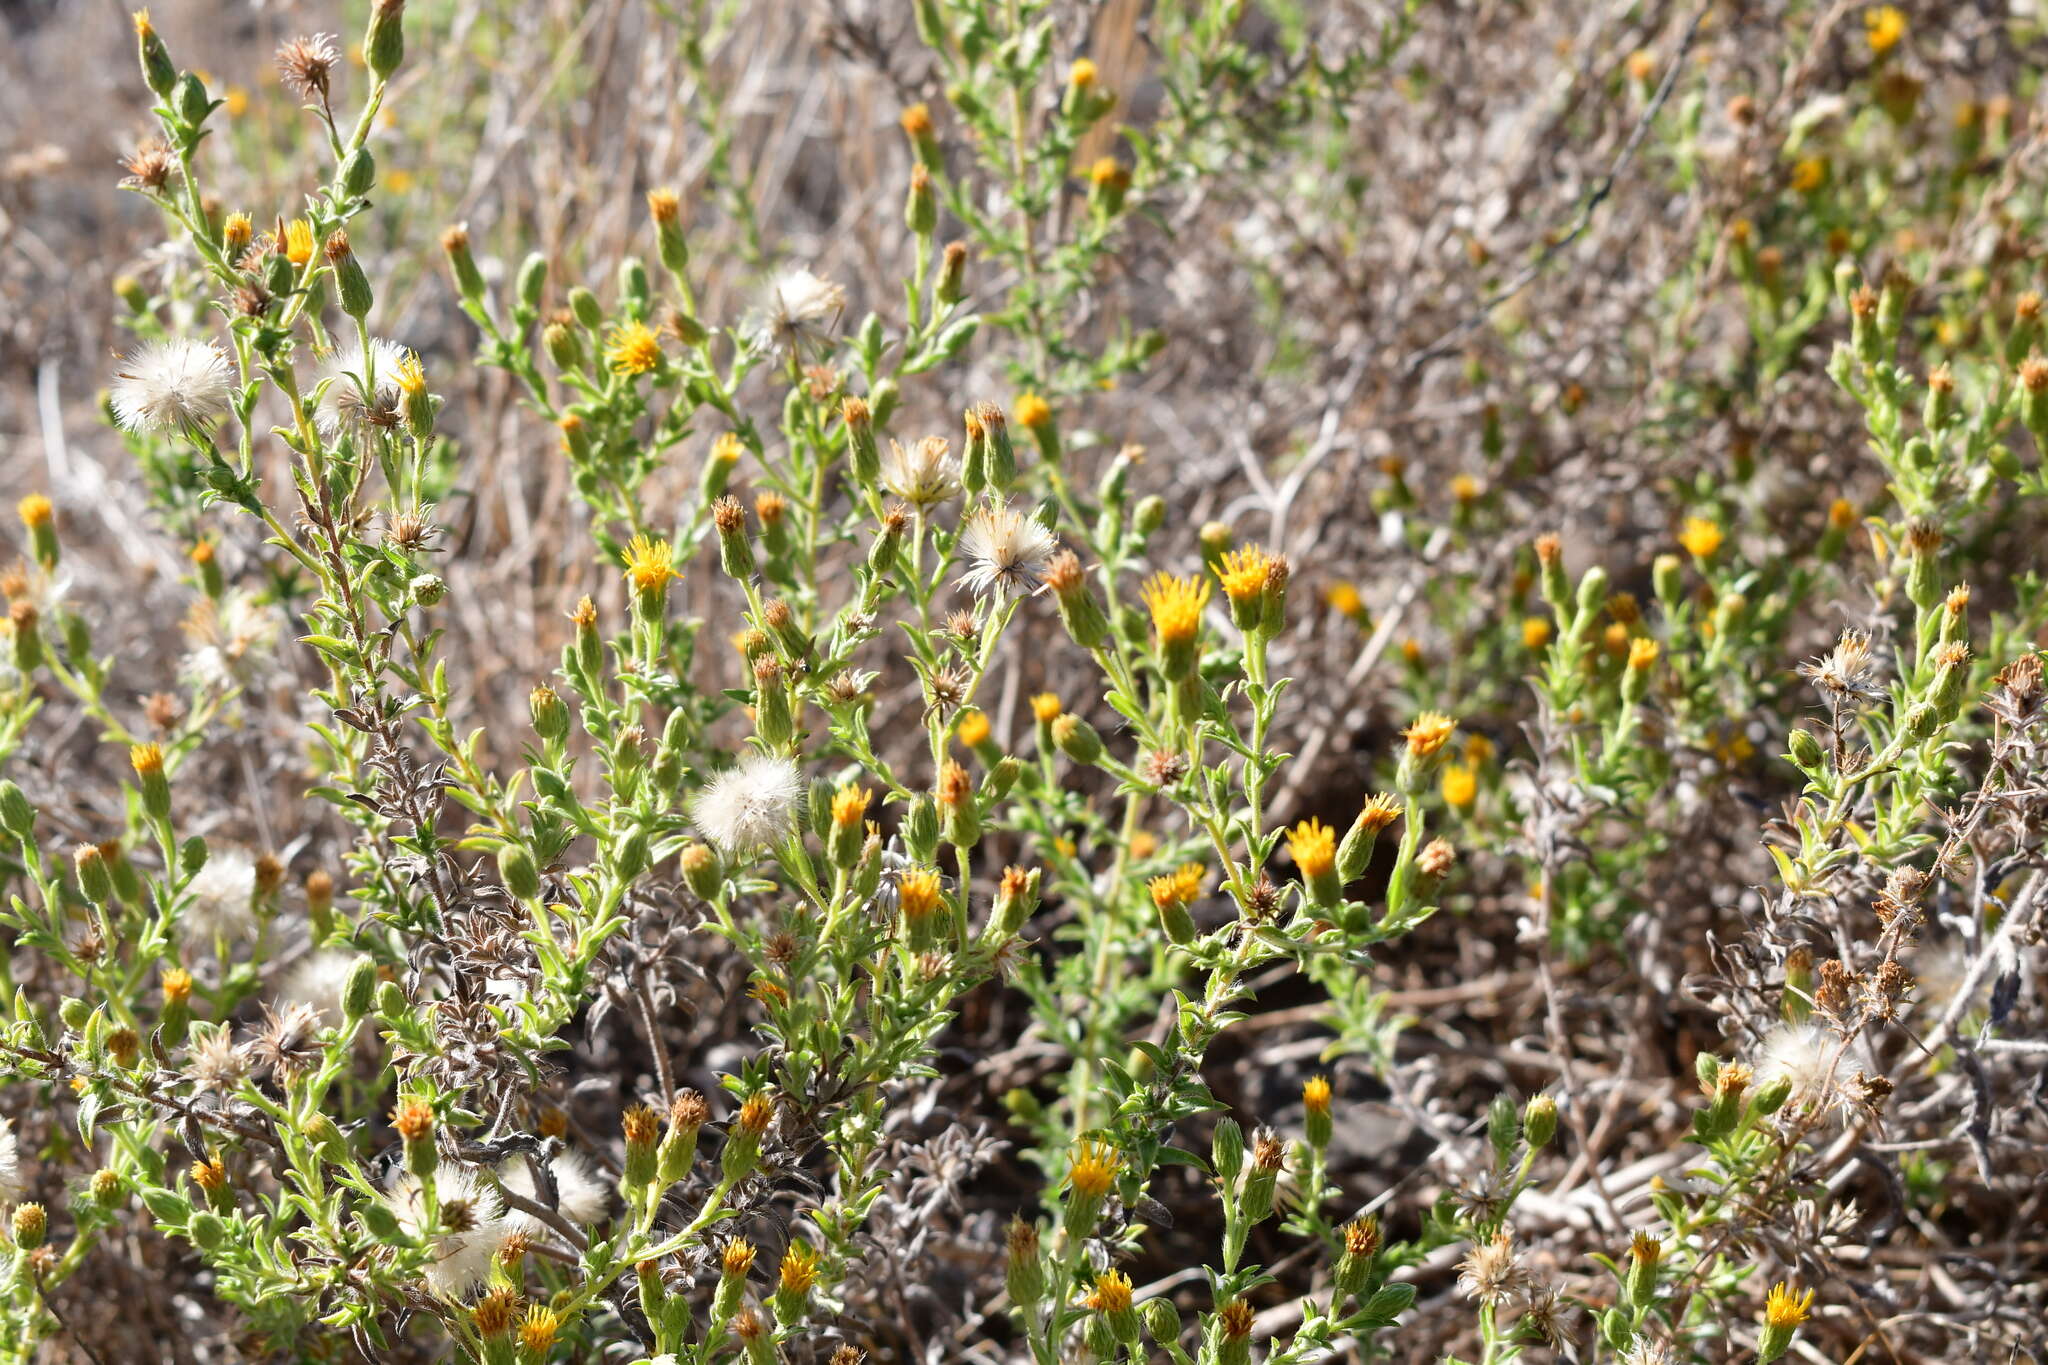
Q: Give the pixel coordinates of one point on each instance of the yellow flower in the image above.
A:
(1046, 707)
(1081, 73)
(1809, 174)
(1178, 887)
(799, 1269)
(298, 241)
(1343, 597)
(411, 376)
(973, 728)
(1092, 1170)
(1785, 1308)
(1379, 811)
(918, 893)
(728, 448)
(1464, 488)
(1112, 1293)
(1460, 786)
(650, 563)
(236, 101)
(1411, 651)
(1478, 750)
(1031, 411)
(1315, 1094)
(1176, 606)
(146, 759)
(1535, 632)
(36, 511)
(1243, 573)
(1700, 537)
(1642, 652)
(1430, 732)
(537, 1330)
(1841, 514)
(1313, 846)
(634, 349)
(398, 180)
(1883, 28)
(849, 805)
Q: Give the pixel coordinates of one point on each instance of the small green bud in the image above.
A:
(384, 44)
(1503, 1126)
(358, 173)
(17, 816)
(1149, 515)
(550, 714)
(533, 278)
(516, 869)
(361, 991)
(94, 880)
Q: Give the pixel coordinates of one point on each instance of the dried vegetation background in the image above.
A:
(1483, 241)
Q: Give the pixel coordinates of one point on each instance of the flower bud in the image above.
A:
(950, 283)
(920, 205)
(94, 881)
(31, 1224)
(640, 1128)
(550, 715)
(351, 281)
(1077, 739)
(700, 870)
(1268, 1158)
(17, 816)
(158, 71)
(1315, 1109)
(516, 869)
(384, 43)
(469, 281)
(1024, 1275)
(1016, 899)
(359, 173)
(148, 762)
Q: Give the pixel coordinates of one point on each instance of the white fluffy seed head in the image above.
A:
(1801, 1054)
(581, 1195)
(1007, 551)
(171, 385)
(799, 309)
(472, 1228)
(11, 1185)
(223, 900)
(750, 805)
(318, 981)
(350, 407)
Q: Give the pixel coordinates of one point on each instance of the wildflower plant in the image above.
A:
(891, 702)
